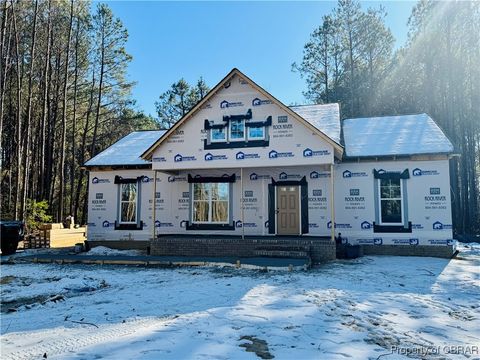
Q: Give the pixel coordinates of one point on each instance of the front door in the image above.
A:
(288, 210)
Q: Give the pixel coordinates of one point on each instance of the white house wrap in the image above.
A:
(242, 163)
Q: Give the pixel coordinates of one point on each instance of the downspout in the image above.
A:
(242, 204)
(332, 202)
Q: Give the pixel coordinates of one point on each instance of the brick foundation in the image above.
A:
(120, 244)
(321, 249)
(405, 250)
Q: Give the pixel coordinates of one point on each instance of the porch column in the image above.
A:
(154, 203)
(332, 201)
(242, 204)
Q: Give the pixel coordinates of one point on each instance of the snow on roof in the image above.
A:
(325, 118)
(127, 150)
(394, 135)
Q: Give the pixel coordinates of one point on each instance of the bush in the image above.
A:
(37, 214)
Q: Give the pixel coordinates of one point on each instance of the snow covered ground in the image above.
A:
(357, 309)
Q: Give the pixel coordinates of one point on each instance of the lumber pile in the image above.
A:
(65, 237)
(58, 236)
(35, 241)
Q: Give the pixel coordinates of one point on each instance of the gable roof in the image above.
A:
(338, 148)
(127, 150)
(393, 136)
(325, 117)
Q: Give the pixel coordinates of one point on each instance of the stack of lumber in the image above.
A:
(35, 242)
(60, 237)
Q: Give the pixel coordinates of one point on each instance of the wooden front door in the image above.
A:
(288, 210)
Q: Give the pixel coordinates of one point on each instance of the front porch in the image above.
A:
(316, 248)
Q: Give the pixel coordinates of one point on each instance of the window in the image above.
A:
(390, 201)
(128, 203)
(218, 135)
(256, 133)
(237, 130)
(210, 203)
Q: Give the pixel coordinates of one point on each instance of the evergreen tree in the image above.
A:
(174, 103)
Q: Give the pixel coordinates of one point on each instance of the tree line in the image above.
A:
(350, 59)
(64, 96)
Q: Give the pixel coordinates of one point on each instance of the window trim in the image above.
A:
(138, 225)
(212, 140)
(120, 202)
(402, 212)
(210, 203)
(230, 139)
(256, 127)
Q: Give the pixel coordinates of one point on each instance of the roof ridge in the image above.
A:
(332, 103)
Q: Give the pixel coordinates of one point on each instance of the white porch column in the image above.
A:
(154, 203)
(332, 201)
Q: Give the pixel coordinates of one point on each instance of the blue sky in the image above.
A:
(170, 40)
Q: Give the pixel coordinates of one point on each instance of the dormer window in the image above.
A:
(237, 130)
(218, 135)
(256, 133)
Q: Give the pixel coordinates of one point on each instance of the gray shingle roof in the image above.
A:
(127, 150)
(325, 118)
(393, 136)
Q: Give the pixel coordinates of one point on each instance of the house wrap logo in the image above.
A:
(211, 157)
(317, 175)
(258, 102)
(354, 196)
(172, 178)
(275, 154)
(106, 224)
(366, 225)
(180, 158)
(240, 224)
(374, 241)
(338, 226)
(314, 175)
(437, 225)
(317, 196)
(413, 241)
(255, 176)
(448, 242)
(146, 179)
(435, 195)
(242, 156)
(226, 104)
(309, 152)
(285, 176)
(159, 159)
(347, 174)
(420, 172)
(162, 224)
(96, 180)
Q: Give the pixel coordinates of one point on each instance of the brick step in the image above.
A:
(283, 248)
(282, 253)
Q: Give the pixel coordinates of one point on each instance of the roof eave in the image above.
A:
(447, 154)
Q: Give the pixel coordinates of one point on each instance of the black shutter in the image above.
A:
(304, 205)
(271, 209)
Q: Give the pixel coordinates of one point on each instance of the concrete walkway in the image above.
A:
(163, 261)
